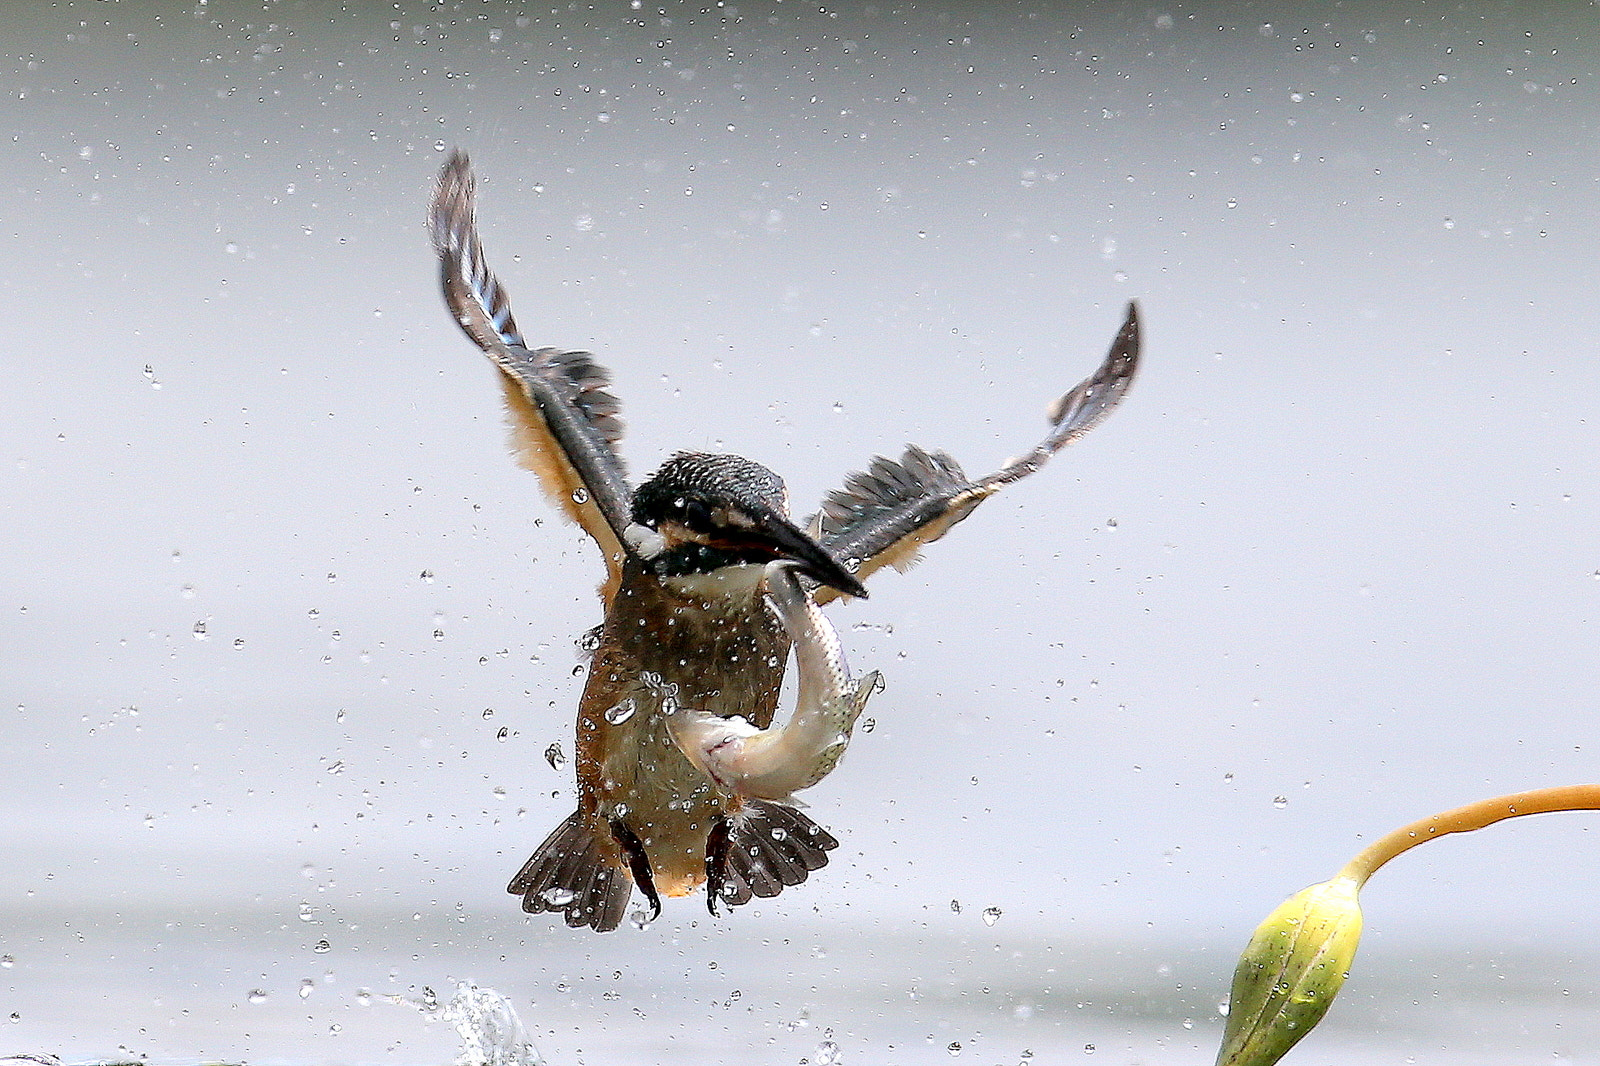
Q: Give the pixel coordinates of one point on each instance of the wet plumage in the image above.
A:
(683, 777)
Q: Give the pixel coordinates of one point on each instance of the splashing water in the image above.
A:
(491, 1033)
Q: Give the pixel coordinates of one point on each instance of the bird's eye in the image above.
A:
(696, 515)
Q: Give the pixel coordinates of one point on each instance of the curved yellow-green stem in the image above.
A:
(1299, 957)
(1466, 819)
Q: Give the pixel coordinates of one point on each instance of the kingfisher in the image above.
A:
(683, 777)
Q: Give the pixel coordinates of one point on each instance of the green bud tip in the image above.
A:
(1288, 975)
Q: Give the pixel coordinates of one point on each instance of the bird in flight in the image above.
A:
(683, 777)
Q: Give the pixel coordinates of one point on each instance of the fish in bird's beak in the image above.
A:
(771, 531)
(701, 512)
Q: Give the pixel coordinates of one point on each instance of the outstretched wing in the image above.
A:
(883, 516)
(564, 422)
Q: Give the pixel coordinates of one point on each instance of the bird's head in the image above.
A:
(702, 514)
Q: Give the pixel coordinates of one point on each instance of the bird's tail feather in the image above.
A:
(771, 846)
(571, 873)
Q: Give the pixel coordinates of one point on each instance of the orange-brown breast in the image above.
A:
(653, 642)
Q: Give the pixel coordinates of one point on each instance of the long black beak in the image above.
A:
(785, 540)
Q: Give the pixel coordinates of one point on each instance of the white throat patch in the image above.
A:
(729, 584)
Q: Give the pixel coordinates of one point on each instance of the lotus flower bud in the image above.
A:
(1290, 972)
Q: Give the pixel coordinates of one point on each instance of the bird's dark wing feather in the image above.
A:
(564, 422)
(884, 516)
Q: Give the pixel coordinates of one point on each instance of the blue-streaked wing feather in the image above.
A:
(883, 516)
(565, 423)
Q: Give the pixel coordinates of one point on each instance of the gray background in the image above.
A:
(1333, 565)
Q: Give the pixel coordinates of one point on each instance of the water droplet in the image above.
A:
(322, 947)
(955, 906)
(558, 897)
(6, 962)
(618, 713)
(307, 985)
(954, 1048)
(256, 995)
(827, 1054)
(427, 575)
(1280, 802)
(555, 756)
(363, 997)
(200, 631)
(991, 915)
